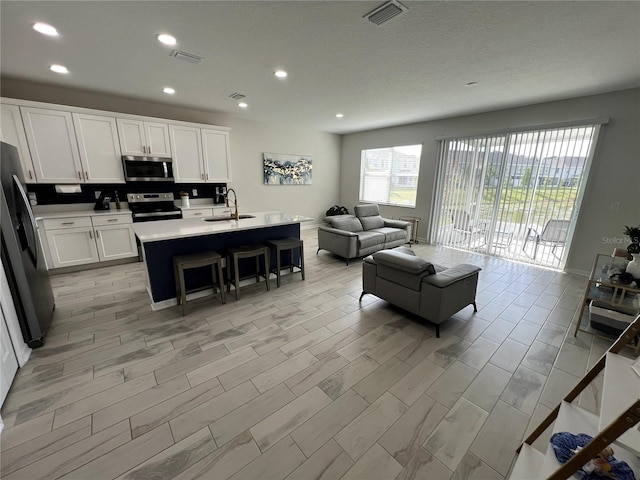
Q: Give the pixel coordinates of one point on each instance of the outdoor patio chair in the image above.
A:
(463, 225)
(554, 234)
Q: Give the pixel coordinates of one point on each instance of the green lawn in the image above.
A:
(548, 202)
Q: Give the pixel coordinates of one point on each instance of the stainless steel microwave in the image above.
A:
(147, 169)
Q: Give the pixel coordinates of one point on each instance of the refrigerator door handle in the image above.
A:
(34, 226)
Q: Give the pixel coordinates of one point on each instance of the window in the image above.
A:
(514, 194)
(390, 175)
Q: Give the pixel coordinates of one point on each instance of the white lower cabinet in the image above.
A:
(83, 240)
(72, 246)
(197, 212)
(115, 241)
(203, 212)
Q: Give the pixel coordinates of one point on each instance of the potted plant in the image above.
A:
(634, 234)
(634, 250)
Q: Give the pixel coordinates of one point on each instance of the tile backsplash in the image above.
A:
(46, 193)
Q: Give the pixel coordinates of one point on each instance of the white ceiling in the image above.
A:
(413, 68)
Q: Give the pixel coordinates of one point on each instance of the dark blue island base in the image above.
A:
(158, 256)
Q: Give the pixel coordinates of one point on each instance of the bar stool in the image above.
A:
(254, 250)
(287, 244)
(197, 260)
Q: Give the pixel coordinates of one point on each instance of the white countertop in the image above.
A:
(80, 213)
(193, 227)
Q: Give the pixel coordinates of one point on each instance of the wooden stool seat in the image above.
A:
(253, 250)
(289, 244)
(197, 260)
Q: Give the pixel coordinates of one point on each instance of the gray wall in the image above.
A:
(614, 176)
(248, 141)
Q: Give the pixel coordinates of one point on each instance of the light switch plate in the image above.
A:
(194, 192)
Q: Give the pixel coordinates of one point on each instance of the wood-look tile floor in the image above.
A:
(301, 382)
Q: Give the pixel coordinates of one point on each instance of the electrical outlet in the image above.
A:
(614, 206)
(194, 192)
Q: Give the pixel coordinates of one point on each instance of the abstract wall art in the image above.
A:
(285, 169)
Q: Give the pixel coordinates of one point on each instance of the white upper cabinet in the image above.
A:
(143, 138)
(200, 155)
(64, 144)
(12, 132)
(52, 142)
(186, 145)
(157, 139)
(99, 148)
(217, 160)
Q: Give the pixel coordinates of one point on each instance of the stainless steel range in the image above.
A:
(148, 207)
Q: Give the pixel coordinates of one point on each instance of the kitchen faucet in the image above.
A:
(235, 202)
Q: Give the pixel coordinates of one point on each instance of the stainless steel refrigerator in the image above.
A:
(21, 252)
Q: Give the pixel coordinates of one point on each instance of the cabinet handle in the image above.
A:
(86, 175)
(30, 175)
(207, 176)
(90, 235)
(80, 175)
(112, 220)
(197, 213)
(97, 233)
(68, 223)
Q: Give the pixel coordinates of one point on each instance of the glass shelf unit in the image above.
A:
(608, 295)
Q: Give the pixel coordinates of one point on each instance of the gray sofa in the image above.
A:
(414, 284)
(352, 236)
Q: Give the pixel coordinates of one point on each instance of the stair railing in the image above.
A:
(625, 421)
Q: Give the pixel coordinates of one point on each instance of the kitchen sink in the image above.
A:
(224, 219)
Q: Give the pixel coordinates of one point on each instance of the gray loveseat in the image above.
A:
(414, 284)
(352, 236)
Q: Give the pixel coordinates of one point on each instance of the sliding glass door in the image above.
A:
(514, 195)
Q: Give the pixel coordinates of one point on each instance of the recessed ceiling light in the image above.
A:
(169, 90)
(280, 74)
(58, 69)
(243, 105)
(45, 29)
(339, 115)
(471, 84)
(167, 39)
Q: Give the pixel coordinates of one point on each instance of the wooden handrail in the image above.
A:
(629, 334)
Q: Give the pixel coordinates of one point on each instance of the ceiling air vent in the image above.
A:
(187, 57)
(237, 96)
(386, 12)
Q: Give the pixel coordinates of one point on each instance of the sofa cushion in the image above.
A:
(369, 239)
(329, 218)
(451, 275)
(390, 234)
(372, 222)
(366, 210)
(402, 261)
(350, 224)
(402, 269)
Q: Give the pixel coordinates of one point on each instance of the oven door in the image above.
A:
(147, 169)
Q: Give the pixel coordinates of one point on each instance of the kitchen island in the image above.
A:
(162, 240)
